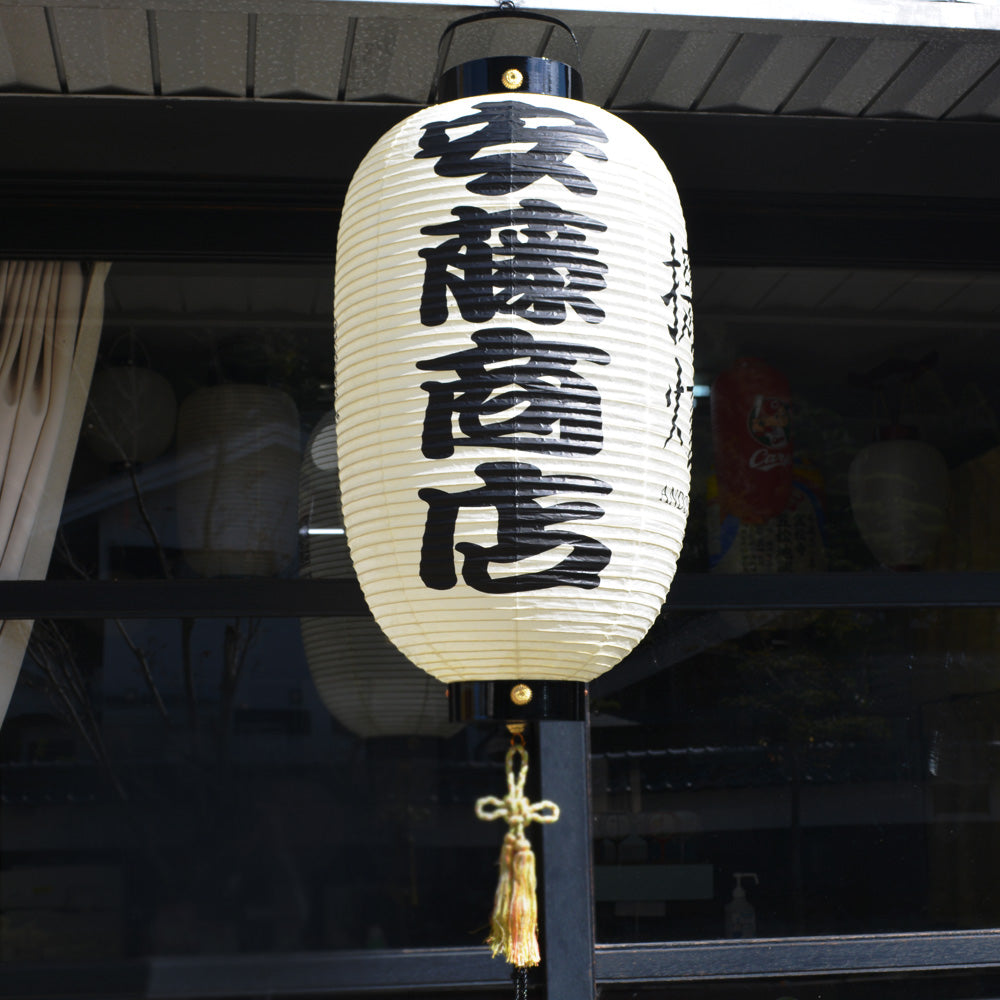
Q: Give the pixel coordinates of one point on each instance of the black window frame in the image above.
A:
(261, 198)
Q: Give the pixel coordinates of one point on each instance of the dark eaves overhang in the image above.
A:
(262, 108)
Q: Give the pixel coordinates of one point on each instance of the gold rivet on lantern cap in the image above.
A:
(512, 80)
(520, 694)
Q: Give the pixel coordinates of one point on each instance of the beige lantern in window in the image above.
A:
(130, 414)
(238, 447)
(365, 682)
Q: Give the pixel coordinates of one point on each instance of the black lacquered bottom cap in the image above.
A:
(517, 701)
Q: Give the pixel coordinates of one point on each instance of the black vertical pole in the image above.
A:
(566, 885)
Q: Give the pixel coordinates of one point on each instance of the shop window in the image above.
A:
(235, 780)
(775, 772)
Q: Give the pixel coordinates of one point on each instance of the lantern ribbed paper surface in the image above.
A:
(364, 681)
(514, 372)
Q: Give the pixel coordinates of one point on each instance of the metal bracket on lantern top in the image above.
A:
(517, 701)
(505, 74)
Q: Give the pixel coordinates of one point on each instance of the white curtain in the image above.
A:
(50, 325)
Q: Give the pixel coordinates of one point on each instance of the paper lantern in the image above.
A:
(899, 497)
(514, 373)
(364, 681)
(514, 397)
(238, 454)
(131, 413)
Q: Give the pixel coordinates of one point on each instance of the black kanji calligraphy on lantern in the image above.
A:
(524, 531)
(549, 130)
(678, 297)
(514, 391)
(514, 352)
(538, 264)
(676, 400)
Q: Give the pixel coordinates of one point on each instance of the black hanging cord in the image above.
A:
(520, 977)
(504, 10)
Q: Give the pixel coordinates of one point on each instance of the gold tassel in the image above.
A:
(499, 929)
(514, 923)
(522, 950)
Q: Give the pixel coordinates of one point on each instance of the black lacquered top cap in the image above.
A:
(505, 74)
(512, 75)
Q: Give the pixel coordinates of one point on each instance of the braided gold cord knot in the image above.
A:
(514, 923)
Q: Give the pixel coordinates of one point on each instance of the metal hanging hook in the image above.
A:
(507, 8)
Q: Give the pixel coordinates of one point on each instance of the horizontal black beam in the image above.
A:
(471, 970)
(141, 220)
(297, 223)
(248, 598)
(332, 973)
(108, 178)
(292, 598)
(299, 974)
(786, 957)
(312, 143)
(781, 591)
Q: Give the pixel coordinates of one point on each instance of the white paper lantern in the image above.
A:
(365, 682)
(899, 497)
(131, 413)
(238, 455)
(514, 363)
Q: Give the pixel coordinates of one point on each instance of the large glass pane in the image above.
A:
(208, 382)
(179, 787)
(210, 785)
(221, 785)
(210, 379)
(845, 420)
(784, 773)
(963, 986)
(770, 773)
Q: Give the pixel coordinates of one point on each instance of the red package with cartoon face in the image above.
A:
(751, 436)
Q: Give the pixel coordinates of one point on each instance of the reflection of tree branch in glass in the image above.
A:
(58, 674)
(805, 694)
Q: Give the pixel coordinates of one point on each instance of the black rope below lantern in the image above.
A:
(520, 978)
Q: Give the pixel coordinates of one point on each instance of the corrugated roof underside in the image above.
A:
(321, 52)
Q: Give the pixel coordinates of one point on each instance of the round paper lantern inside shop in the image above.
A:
(364, 681)
(238, 449)
(899, 488)
(131, 413)
(514, 372)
